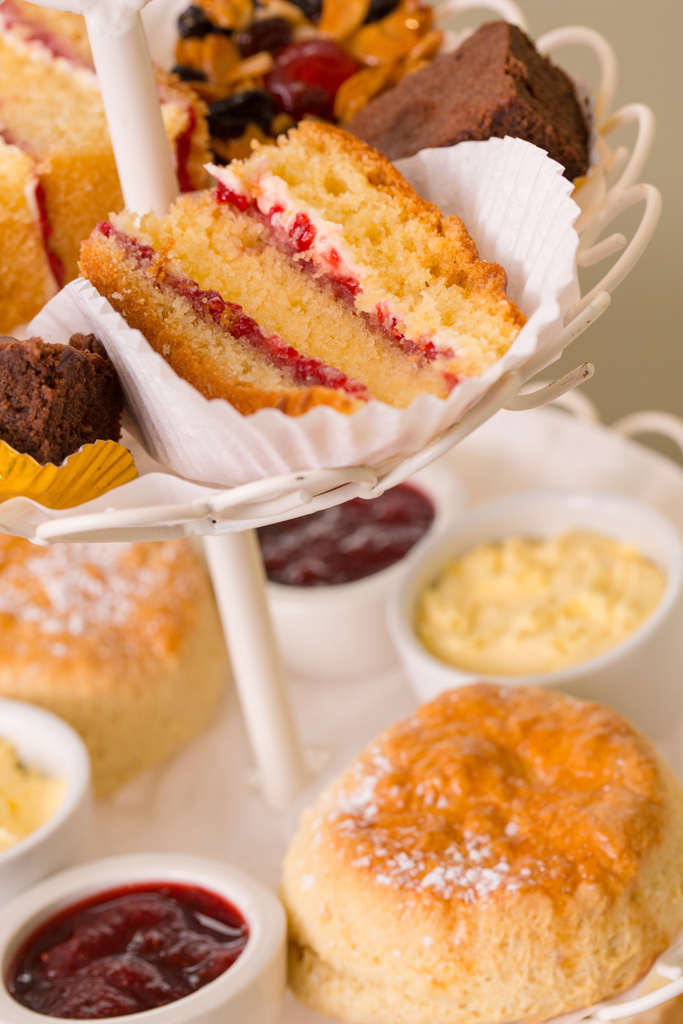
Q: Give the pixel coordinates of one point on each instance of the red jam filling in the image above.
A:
(183, 145)
(298, 239)
(56, 265)
(126, 950)
(223, 194)
(347, 542)
(232, 318)
(301, 232)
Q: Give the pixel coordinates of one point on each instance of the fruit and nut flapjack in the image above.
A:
(261, 67)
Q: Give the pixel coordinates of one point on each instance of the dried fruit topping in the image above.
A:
(342, 17)
(229, 118)
(281, 123)
(321, 58)
(231, 14)
(194, 22)
(306, 76)
(390, 38)
(189, 74)
(360, 88)
(271, 34)
(312, 9)
(428, 46)
(189, 52)
(226, 150)
(216, 55)
(380, 9)
(208, 92)
(251, 68)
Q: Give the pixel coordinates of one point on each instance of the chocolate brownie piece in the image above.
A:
(495, 84)
(54, 398)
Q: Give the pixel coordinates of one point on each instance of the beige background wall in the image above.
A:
(637, 345)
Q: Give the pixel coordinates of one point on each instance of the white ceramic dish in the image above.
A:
(639, 677)
(341, 630)
(45, 742)
(252, 990)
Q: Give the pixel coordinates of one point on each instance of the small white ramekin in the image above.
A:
(252, 990)
(639, 677)
(45, 742)
(340, 631)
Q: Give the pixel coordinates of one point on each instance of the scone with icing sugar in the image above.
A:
(123, 641)
(503, 855)
(313, 273)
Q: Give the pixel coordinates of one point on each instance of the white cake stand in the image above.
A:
(226, 517)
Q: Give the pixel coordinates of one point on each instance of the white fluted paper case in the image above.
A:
(517, 207)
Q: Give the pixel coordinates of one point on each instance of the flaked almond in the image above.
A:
(281, 123)
(241, 148)
(306, 31)
(219, 57)
(359, 89)
(412, 64)
(230, 14)
(280, 9)
(251, 67)
(340, 18)
(210, 92)
(391, 38)
(189, 53)
(246, 85)
(428, 46)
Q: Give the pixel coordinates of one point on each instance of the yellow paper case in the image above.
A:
(91, 471)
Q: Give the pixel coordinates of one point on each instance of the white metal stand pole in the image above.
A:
(238, 577)
(131, 103)
(149, 182)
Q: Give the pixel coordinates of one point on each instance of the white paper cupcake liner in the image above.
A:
(517, 207)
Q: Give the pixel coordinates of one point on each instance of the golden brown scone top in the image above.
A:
(546, 794)
(129, 602)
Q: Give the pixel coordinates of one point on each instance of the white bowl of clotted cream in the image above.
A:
(50, 747)
(639, 676)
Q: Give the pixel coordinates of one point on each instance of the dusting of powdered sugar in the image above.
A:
(69, 591)
(470, 870)
(359, 802)
(467, 870)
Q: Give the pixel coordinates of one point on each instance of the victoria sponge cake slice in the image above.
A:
(359, 287)
(51, 110)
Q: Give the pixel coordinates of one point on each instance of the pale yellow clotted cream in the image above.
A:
(521, 606)
(27, 798)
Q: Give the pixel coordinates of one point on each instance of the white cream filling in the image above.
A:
(270, 192)
(30, 190)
